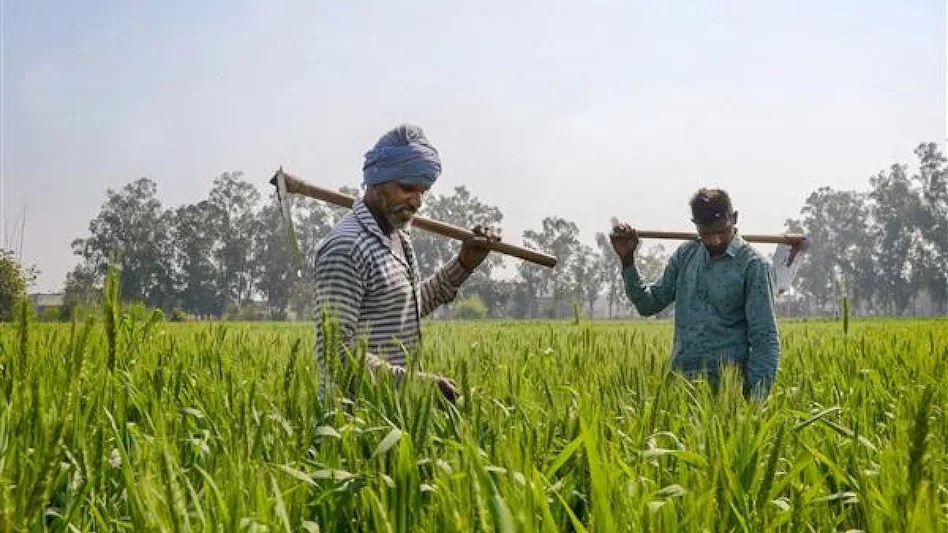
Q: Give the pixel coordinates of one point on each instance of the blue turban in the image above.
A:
(405, 154)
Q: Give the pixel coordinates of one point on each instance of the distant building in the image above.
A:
(43, 301)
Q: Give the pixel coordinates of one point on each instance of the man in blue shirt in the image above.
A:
(723, 291)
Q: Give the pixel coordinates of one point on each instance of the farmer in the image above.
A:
(367, 277)
(723, 291)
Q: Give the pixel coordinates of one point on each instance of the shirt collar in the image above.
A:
(367, 220)
(736, 243)
(732, 248)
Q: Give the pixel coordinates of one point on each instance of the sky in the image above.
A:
(582, 110)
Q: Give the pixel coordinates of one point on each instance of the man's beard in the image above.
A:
(399, 217)
(406, 225)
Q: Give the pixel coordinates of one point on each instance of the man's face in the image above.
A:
(716, 237)
(398, 202)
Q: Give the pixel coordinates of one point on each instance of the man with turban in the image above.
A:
(367, 279)
(723, 291)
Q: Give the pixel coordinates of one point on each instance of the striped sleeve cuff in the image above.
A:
(455, 274)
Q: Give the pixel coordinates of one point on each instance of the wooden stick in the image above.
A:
(295, 185)
(792, 239)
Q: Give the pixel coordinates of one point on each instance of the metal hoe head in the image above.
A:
(786, 261)
(279, 179)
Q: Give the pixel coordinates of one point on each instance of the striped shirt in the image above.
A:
(369, 283)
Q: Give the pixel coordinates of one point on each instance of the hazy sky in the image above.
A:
(583, 109)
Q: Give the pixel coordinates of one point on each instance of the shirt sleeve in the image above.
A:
(763, 336)
(442, 287)
(651, 299)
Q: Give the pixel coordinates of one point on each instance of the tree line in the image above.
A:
(228, 254)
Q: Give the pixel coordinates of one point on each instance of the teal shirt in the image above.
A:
(724, 310)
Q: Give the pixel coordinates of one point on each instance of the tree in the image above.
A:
(650, 263)
(14, 281)
(529, 288)
(611, 273)
(560, 238)
(235, 204)
(133, 232)
(588, 277)
(312, 221)
(931, 270)
(896, 216)
(470, 308)
(887, 247)
(462, 209)
(277, 276)
(841, 247)
(194, 238)
(933, 182)
(494, 293)
(81, 288)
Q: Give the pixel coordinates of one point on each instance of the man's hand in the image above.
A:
(624, 241)
(474, 250)
(448, 388)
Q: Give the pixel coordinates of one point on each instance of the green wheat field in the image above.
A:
(113, 423)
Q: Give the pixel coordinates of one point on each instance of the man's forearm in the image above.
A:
(442, 287)
(648, 300)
